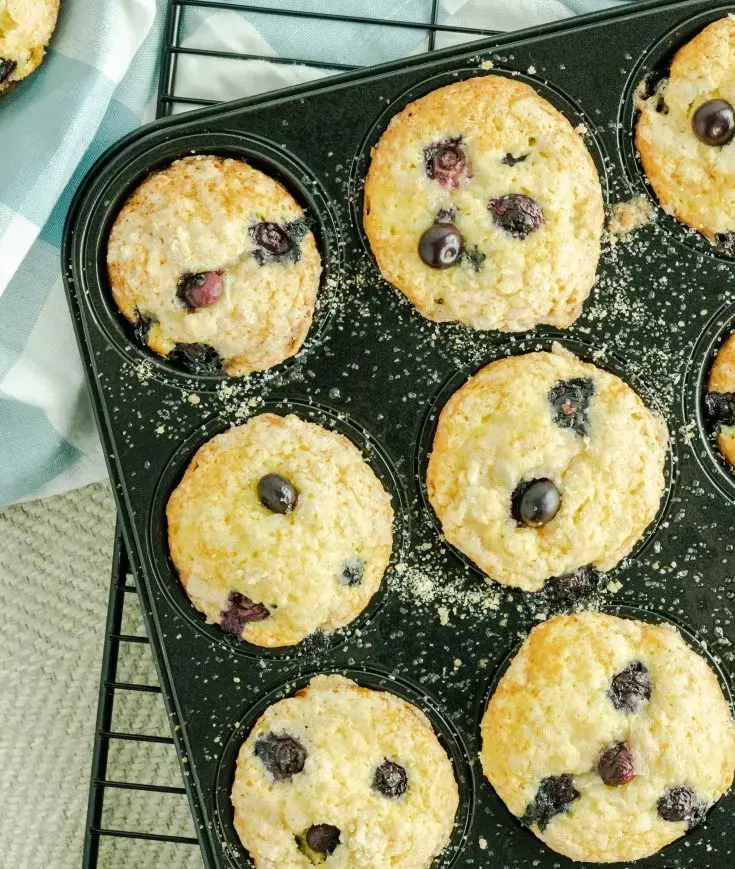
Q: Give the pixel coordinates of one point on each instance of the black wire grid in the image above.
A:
(113, 838)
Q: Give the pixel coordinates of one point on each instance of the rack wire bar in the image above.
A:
(117, 641)
(169, 96)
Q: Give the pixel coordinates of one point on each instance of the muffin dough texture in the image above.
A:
(552, 715)
(499, 431)
(722, 380)
(513, 142)
(347, 731)
(26, 27)
(315, 568)
(693, 181)
(196, 217)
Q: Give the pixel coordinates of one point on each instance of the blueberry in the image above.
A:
(554, 795)
(575, 585)
(441, 245)
(390, 779)
(474, 257)
(510, 160)
(714, 122)
(7, 68)
(197, 358)
(200, 290)
(631, 688)
(616, 766)
(283, 756)
(681, 804)
(535, 503)
(721, 407)
(142, 326)
(239, 612)
(446, 215)
(517, 214)
(276, 243)
(319, 841)
(272, 238)
(726, 242)
(570, 404)
(445, 162)
(352, 571)
(277, 493)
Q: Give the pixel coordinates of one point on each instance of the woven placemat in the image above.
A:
(55, 560)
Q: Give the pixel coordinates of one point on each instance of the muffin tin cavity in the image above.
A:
(156, 151)
(650, 70)
(584, 351)
(549, 91)
(722, 807)
(701, 429)
(166, 574)
(373, 678)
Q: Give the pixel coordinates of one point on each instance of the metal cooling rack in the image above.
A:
(112, 837)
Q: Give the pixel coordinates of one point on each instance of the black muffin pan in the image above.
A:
(372, 368)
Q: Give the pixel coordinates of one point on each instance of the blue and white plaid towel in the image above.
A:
(97, 83)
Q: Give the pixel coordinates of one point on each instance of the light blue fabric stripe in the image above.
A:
(20, 305)
(318, 40)
(33, 451)
(118, 121)
(40, 115)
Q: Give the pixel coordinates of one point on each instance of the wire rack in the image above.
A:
(132, 732)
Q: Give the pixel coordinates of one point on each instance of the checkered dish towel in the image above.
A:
(97, 83)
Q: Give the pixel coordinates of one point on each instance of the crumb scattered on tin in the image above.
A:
(628, 216)
(487, 64)
(193, 398)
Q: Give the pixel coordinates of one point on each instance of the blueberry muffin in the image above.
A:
(685, 131)
(279, 528)
(214, 264)
(344, 775)
(720, 398)
(25, 30)
(608, 737)
(482, 205)
(545, 467)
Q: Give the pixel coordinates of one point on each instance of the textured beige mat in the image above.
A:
(54, 579)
